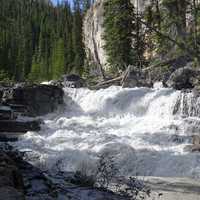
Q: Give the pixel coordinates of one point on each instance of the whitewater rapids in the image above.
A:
(138, 127)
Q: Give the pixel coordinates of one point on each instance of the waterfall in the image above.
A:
(187, 105)
(144, 129)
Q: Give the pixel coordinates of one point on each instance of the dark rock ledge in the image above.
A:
(29, 101)
(33, 100)
(19, 180)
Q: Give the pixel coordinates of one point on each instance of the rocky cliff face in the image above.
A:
(93, 31)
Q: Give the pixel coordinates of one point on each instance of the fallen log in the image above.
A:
(161, 64)
(104, 83)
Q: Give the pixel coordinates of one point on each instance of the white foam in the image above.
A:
(135, 125)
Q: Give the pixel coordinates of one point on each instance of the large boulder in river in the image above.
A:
(183, 78)
(38, 99)
(73, 81)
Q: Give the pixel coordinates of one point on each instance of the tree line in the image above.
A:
(165, 29)
(41, 41)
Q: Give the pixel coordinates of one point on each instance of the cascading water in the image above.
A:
(145, 130)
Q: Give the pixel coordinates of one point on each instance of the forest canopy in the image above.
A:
(40, 41)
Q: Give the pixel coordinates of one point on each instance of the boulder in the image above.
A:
(19, 126)
(57, 83)
(1, 94)
(11, 181)
(10, 193)
(38, 99)
(192, 148)
(73, 81)
(6, 113)
(183, 78)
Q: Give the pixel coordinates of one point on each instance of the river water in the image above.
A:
(145, 130)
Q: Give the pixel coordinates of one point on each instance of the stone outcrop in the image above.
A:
(37, 99)
(6, 113)
(20, 180)
(93, 32)
(183, 78)
(11, 181)
(28, 101)
(19, 126)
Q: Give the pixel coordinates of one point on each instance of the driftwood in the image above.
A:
(120, 79)
(105, 83)
(126, 75)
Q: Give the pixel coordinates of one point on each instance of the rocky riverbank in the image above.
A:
(34, 184)
(20, 180)
(20, 100)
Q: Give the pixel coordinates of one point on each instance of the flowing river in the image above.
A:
(145, 130)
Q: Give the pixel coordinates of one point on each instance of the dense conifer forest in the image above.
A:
(40, 41)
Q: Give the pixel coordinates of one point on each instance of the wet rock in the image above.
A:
(192, 148)
(57, 83)
(195, 139)
(38, 99)
(183, 78)
(195, 148)
(6, 113)
(1, 94)
(19, 126)
(21, 178)
(73, 81)
(10, 193)
(11, 182)
(178, 139)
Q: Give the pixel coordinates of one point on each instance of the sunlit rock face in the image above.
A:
(93, 32)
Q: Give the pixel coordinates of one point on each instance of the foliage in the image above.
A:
(3, 76)
(134, 189)
(106, 170)
(118, 26)
(84, 175)
(39, 40)
(172, 33)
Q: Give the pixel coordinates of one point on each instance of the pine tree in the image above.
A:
(118, 25)
(58, 67)
(34, 33)
(78, 46)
